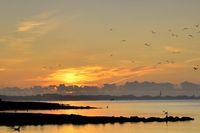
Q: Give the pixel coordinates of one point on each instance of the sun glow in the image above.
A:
(72, 77)
(96, 75)
(68, 76)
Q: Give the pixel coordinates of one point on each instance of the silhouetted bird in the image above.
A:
(191, 36)
(153, 32)
(132, 61)
(167, 61)
(174, 35)
(197, 25)
(185, 28)
(195, 68)
(172, 62)
(147, 44)
(159, 63)
(17, 128)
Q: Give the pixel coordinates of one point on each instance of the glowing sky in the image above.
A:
(92, 42)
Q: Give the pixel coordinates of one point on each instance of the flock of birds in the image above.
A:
(153, 32)
(190, 36)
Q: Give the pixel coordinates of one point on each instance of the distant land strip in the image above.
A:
(57, 97)
(20, 119)
(13, 105)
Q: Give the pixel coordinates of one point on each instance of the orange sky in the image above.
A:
(95, 42)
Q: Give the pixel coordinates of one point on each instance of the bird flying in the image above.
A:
(185, 28)
(195, 68)
(147, 44)
(191, 36)
(153, 32)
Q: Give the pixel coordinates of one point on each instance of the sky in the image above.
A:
(92, 42)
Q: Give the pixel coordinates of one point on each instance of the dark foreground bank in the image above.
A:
(12, 119)
(8, 105)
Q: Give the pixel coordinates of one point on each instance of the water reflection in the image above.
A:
(124, 108)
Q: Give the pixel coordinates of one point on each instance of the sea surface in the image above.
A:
(145, 108)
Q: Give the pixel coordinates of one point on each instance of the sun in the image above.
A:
(68, 76)
(72, 77)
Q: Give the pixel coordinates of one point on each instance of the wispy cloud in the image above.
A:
(173, 49)
(40, 23)
(29, 25)
(2, 69)
(96, 75)
(28, 31)
(192, 60)
(12, 61)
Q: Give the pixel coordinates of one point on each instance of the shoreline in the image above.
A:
(21, 119)
(14, 105)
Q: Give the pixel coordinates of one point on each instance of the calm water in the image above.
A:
(125, 108)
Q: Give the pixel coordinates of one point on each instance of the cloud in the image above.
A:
(12, 61)
(28, 31)
(29, 25)
(97, 75)
(173, 49)
(192, 60)
(2, 69)
(40, 23)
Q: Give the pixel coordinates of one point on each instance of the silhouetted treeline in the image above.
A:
(55, 97)
(130, 88)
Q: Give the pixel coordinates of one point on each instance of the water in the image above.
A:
(124, 108)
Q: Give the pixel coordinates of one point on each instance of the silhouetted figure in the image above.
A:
(107, 107)
(123, 40)
(166, 116)
(111, 29)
